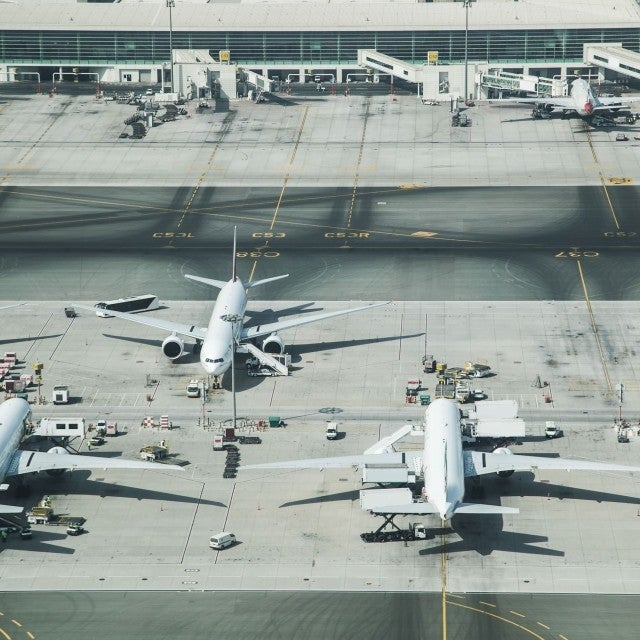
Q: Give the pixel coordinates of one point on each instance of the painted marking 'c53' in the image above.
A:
(620, 234)
(257, 254)
(268, 234)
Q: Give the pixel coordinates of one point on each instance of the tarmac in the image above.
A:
(567, 321)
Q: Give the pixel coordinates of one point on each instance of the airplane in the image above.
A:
(226, 325)
(445, 465)
(15, 415)
(580, 99)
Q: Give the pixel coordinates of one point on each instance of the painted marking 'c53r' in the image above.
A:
(344, 234)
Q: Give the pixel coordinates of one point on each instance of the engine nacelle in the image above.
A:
(505, 451)
(173, 347)
(273, 344)
(59, 451)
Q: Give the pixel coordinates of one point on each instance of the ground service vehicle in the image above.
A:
(332, 430)
(222, 540)
(133, 304)
(551, 431)
(193, 389)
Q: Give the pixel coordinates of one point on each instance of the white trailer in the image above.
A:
(388, 474)
(60, 428)
(376, 498)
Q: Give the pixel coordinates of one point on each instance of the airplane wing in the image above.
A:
(6, 508)
(339, 462)
(33, 461)
(609, 102)
(556, 103)
(188, 330)
(478, 463)
(266, 329)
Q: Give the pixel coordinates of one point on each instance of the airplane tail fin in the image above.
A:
(212, 283)
(265, 280)
(486, 509)
(234, 270)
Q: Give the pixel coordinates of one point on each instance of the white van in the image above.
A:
(222, 540)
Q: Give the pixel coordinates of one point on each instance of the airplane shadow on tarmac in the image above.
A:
(40, 542)
(79, 483)
(31, 339)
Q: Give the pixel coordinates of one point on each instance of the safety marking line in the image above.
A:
(594, 327)
(488, 604)
(603, 182)
(16, 622)
(498, 617)
(443, 578)
(544, 626)
(520, 615)
(284, 185)
(358, 166)
(5, 634)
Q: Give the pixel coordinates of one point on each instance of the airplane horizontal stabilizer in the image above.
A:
(34, 461)
(257, 283)
(469, 507)
(6, 508)
(210, 281)
(339, 462)
(477, 463)
(411, 507)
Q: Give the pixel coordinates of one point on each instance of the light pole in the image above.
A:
(170, 5)
(233, 318)
(466, 47)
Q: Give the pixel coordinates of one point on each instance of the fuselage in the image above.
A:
(14, 414)
(443, 465)
(583, 98)
(218, 347)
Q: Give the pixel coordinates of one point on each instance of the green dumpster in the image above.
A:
(274, 421)
(425, 399)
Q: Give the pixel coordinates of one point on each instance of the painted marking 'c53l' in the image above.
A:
(173, 234)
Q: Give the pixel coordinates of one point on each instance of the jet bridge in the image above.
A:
(371, 59)
(516, 82)
(613, 56)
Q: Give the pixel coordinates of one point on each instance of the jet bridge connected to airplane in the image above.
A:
(613, 56)
(515, 82)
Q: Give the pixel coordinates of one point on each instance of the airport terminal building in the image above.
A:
(132, 41)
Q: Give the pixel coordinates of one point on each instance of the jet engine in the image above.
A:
(273, 344)
(507, 452)
(173, 347)
(60, 451)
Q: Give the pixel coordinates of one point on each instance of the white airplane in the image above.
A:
(444, 466)
(215, 341)
(15, 414)
(581, 100)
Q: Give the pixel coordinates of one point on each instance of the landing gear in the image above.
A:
(217, 382)
(197, 347)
